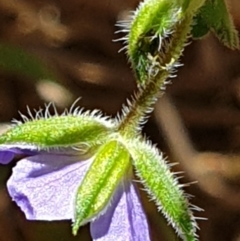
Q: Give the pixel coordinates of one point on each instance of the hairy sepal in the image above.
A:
(81, 130)
(214, 16)
(94, 194)
(163, 188)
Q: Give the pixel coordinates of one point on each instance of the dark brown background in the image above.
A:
(197, 123)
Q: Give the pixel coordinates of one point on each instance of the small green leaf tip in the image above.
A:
(110, 164)
(163, 188)
(72, 128)
(214, 16)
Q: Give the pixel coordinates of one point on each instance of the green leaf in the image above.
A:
(163, 188)
(80, 130)
(109, 166)
(214, 16)
(200, 27)
(16, 60)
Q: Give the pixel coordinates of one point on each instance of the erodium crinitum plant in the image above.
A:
(80, 165)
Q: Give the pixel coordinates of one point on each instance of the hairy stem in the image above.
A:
(146, 97)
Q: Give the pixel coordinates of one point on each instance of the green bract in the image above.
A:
(150, 30)
(110, 164)
(152, 22)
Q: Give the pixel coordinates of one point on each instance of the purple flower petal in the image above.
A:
(8, 152)
(6, 157)
(124, 219)
(44, 186)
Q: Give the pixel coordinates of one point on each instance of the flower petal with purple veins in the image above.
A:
(44, 186)
(124, 219)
